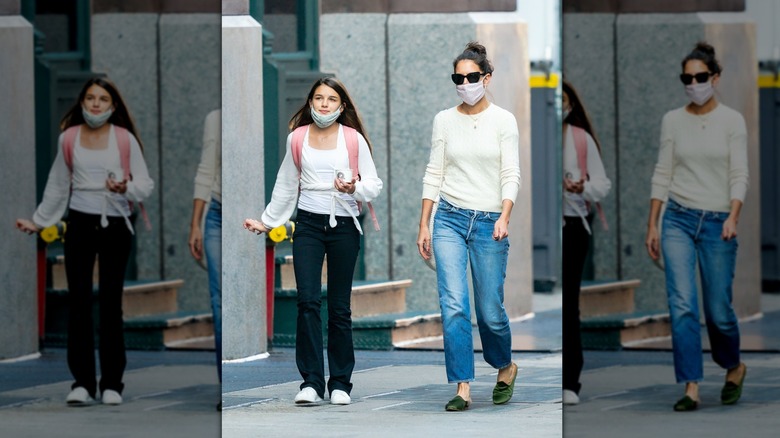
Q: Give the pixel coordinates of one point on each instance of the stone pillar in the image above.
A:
(18, 277)
(627, 89)
(243, 254)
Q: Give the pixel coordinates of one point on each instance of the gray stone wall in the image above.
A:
(397, 69)
(167, 67)
(627, 89)
(18, 276)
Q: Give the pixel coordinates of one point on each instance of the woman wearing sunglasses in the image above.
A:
(702, 174)
(474, 170)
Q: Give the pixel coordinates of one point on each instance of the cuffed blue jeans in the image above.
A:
(212, 245)
(688, 236)
(462, 236)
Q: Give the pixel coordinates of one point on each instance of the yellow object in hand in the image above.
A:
(54, 232)
(282, 232)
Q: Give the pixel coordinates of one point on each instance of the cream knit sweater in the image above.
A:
(702, 162)
(476, 168)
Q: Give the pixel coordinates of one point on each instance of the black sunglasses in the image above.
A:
(472, 77)
(701, 78)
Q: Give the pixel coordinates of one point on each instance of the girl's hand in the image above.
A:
(572, 186)
(27, 226)
(255, 226)
(345, 186)
(116, 187)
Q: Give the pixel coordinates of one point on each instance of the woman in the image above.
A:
(99, 170)
(702, 174)
(474, 170)
(326, 225)
(584, 183)
(208, 189)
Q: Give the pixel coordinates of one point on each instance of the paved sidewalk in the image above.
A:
(167, 394)
(403, 392)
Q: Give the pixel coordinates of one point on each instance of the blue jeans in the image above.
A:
(688, 236)
(212, 244)
(461, 235)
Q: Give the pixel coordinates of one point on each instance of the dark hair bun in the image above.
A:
(703, 47)
(476, 47)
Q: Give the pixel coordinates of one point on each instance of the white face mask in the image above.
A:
(699, 93)
(470, 94)
(324, 120)
(96, 120)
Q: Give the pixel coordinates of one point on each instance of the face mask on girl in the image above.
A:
(96, 120)
(566, 112)
(699, 93)
(324, 120)
(470, 94)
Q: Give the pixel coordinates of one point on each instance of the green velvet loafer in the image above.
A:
(731, 391)
(502, 392)
(686, 404)
(457, 404)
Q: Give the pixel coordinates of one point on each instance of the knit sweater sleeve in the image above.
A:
(510, 159)
(434, 171)
(204, 178)
(738, 161)
(662, 177)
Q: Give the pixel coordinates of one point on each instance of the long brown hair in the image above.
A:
(349, 116)
(578, 116)
(120, 117)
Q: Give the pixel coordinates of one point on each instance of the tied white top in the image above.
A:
(317, 193)
(208, 179)
(702, 162)
(89, 194)
(596, 186)
(476, 168)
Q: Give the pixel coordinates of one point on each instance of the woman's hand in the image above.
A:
(116, 187)
(255, 226)
(573, 186)
(424, 242)
(196, 241)
(501, 229)
(729, 229)
(342, 186)
(651, 243)
(27, 226)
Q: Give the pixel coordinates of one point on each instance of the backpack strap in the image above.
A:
(353, 149)
(581, 147)
(68, 142)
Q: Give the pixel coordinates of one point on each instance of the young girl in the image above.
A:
(326, 225)
(474, 169)
(580, 191)
(88, 178)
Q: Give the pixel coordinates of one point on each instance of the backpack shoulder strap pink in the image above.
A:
(581, 147)
(353, 148)
(123, 144)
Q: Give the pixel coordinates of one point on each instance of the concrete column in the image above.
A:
(18, 277)
(243, 254)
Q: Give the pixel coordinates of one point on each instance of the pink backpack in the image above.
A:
(350, 136)
(581, 146)
(123, 143)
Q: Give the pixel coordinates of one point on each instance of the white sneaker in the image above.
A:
(339, 397)
(78, 396)
(307, 395)
(111, 397)
(570, 397)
